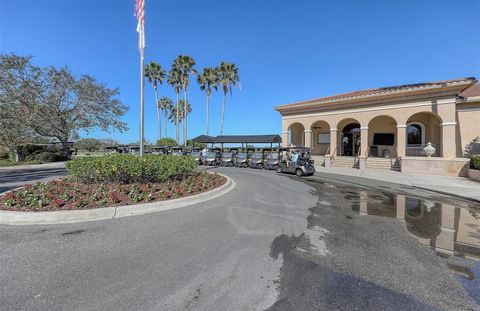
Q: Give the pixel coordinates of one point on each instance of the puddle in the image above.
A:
(451, 230)
(326, 252)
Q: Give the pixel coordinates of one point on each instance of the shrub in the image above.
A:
(476, 162)
(167, 141)
(45, 156)
(27, 149)
(124, 168)
(4, 155)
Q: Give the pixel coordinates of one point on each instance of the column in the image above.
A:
(285, 138)
(362, 153)
(449, 142)
(401, 140)
(333, 142)
(363, 141)
(447, 111)
(308, 138)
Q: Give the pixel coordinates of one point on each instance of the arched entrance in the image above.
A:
(382, 139)
(296, 135)
(422, 128)
(320, 138)
(350, 140)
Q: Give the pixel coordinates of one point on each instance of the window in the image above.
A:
(323, 139)
(415, 134)
(385, 139)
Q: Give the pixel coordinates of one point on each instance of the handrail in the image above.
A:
(366, 151)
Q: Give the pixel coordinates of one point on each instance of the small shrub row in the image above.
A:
(125, 168)
(70, 195)
(476, 162)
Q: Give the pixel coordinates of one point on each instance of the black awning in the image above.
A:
(252, 139)
(204, 139)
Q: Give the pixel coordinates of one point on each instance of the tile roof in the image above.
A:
(471, 91)
(377, 91)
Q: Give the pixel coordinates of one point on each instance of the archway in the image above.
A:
(382, 138)
(320, 137)
(349, 137)
(422, 128)
(296, 135)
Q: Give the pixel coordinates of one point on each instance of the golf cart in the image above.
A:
(213, 157)
(133, 149)
(241, 160)
(273, 159)
(302, 167)
(112, 149)
(160, 150)
(228, 157)
(178, 151)
(257, 159)
(197, 155)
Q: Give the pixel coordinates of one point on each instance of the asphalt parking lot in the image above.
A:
(275, 242)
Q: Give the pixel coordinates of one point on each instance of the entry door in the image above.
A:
(356, 144)
(347, 144)
(350, 144)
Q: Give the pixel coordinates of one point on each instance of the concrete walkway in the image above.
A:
(456, 186)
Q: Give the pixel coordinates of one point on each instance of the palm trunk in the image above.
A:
(176, 123)
(165, 114)
(223, 112)
(208, 104)
(158, 115)
(185, 118)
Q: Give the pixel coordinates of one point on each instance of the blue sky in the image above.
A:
(286, 50)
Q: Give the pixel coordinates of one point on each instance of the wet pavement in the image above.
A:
(275, 242)
(359, 240)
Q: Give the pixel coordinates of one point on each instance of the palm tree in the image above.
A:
(228, 78)
(207, 79)
(179, 110)
(155, 76)
(175, 81)
(185, 65)
(165, 104)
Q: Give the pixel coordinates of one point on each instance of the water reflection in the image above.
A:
(446, 228)
(452, 231)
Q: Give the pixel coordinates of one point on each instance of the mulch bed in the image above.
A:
(64, 194)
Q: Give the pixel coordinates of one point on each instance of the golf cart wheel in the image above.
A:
(279, 169)
(298, 172)
(275, 167)
(260, 166)
(245, 165)
(230, 164)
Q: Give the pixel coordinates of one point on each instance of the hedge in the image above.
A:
(476, 162)
(125, 168)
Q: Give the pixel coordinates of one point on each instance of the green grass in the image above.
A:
(6, 163)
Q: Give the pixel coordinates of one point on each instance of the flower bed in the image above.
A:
(67, 194)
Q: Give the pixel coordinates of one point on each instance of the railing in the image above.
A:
(418, 150)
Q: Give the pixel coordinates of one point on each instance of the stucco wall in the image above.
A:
(468, 119)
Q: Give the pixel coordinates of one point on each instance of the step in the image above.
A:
(383, 163)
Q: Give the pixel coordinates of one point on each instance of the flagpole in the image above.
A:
(142, 88)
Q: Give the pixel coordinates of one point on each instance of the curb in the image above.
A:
(68, 217)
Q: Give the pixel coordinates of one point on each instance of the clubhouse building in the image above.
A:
(423, 127)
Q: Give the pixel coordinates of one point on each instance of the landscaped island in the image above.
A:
(114, 180)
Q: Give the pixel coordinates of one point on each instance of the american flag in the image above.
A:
(140, 14)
